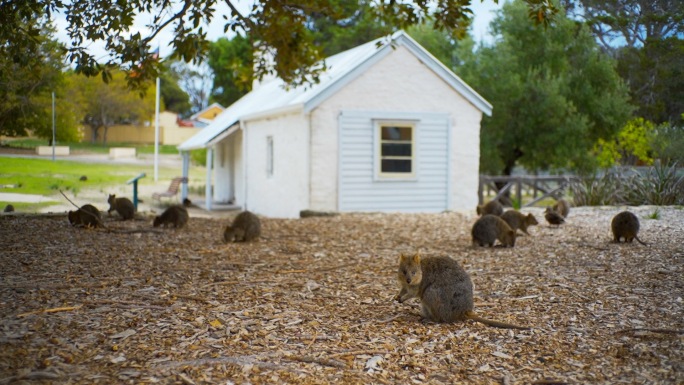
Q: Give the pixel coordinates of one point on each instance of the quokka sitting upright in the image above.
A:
(443, 287)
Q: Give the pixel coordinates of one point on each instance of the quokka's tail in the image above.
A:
(475, 317)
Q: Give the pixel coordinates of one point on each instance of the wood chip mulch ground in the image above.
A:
(312, 303)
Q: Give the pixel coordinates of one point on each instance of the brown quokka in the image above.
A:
(245, 227)
(175, 215)
(553, 217)
(517, 220)
(9, 209)
(443, 287)
(88, 216)
(489, 228)
(123, 206)
(625, 225)
(491, 207)
(562, 207)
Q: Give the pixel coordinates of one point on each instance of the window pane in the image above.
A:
(396, 133)
(396, 165)
(396, 149)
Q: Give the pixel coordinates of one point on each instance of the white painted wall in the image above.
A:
(399, 82)
(286, 192)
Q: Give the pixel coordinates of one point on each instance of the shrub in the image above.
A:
(660, 186)
(597, 190)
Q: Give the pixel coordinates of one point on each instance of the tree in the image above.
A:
(277, 27)
(103, 105)
(231, 63)
(26, 86)
(668, 143)
(554, 94)
(175, 99)
(645, 36)
(195, 81)
(355, 24)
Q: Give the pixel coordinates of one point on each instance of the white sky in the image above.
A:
(483, 12)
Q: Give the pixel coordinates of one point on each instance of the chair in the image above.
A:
(173, 189)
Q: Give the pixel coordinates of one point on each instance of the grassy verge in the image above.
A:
(44, 177)
(96, 148)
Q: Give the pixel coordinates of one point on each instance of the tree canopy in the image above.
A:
(279, 28)
(645, 36)
(103, 105)
(26, 85)
(555, 94)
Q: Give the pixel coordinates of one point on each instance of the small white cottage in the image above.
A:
(387, 129)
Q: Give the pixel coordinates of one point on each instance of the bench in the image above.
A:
(47, 150)
(122, 152)
(173, 189)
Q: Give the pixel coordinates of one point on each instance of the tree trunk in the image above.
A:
(505, 199)
(93, 139)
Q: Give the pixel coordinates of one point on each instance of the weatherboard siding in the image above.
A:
(361, 190)
(397, 84)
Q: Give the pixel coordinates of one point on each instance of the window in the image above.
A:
(269, 156)
(396, 149)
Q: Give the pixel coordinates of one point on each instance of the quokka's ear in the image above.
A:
(402, 258)
(416, 258)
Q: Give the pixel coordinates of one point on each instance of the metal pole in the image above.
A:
(53, 127)
(156, 135)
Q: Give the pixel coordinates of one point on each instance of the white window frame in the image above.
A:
(377, 155)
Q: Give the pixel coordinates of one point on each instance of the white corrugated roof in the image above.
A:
(272, 95)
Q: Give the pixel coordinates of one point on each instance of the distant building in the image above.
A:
(172, 129)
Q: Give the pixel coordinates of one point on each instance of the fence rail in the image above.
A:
(540, 186)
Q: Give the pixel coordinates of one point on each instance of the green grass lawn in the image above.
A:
(45, 177)
(96, 148)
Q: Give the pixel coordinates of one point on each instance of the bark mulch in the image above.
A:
(312, 303)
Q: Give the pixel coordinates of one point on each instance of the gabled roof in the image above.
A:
(273, 96)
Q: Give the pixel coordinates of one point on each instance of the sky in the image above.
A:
(483, 12)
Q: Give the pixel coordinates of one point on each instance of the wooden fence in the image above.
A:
(539, 187)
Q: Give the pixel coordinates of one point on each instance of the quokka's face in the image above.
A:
(409, 272)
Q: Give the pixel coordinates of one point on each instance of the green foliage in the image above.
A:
(276, 27)
(231, 62)
(554, 94)
(173, 97)
(597, 190)
(654, 215)
(26, 87)
(668, 143)
(103, 105)
(632, 145)
(354, 23)
(659, 185)
(651, 50)
(199, 157)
